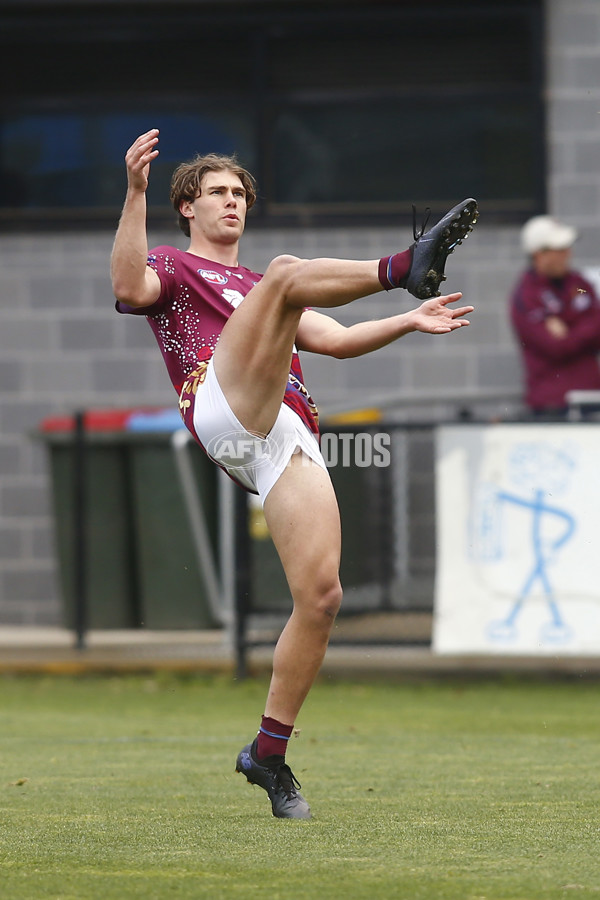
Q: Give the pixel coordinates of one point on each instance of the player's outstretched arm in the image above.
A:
(132, 281)
(319, 333)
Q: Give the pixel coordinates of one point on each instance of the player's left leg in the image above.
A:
(302, 513)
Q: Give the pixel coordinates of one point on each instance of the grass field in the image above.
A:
(116, 788)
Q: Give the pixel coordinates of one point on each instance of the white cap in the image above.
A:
(546, 233)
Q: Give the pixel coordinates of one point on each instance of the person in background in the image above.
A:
(555, 313)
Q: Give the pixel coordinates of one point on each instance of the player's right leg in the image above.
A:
(252, 356)
(420, 269)
(429, 253)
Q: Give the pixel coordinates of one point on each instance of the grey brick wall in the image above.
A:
(63, 347)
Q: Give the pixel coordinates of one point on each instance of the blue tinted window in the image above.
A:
(76, 159)
(341, 110)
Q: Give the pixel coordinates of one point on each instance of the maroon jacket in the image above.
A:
(554, 365)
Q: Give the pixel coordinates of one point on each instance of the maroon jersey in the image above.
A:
(196, 299)
(554, 366)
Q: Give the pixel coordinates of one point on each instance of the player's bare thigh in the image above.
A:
(253, 355)
(302, 513)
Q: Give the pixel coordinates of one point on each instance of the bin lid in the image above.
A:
(159, 420)
(98, 420)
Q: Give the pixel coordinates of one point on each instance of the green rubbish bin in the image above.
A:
(142, 569)
(109, 548)
(172, 593)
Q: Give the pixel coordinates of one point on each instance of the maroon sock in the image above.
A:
(393, 270)
(272, 738)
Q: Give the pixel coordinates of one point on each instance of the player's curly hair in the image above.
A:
(187, 178)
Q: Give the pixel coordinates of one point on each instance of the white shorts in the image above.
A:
(255, 463)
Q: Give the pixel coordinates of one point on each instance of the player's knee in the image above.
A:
(329, 601)
(281, 271)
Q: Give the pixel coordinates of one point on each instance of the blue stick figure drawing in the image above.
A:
(532, 466)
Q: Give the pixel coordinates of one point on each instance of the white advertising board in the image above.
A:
(518, 539)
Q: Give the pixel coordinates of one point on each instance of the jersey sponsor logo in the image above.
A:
(213, 277)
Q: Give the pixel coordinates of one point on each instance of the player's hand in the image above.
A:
(436, 317)
(556, 327)
(138, 159)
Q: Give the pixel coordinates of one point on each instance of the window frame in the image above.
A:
(259, 23)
